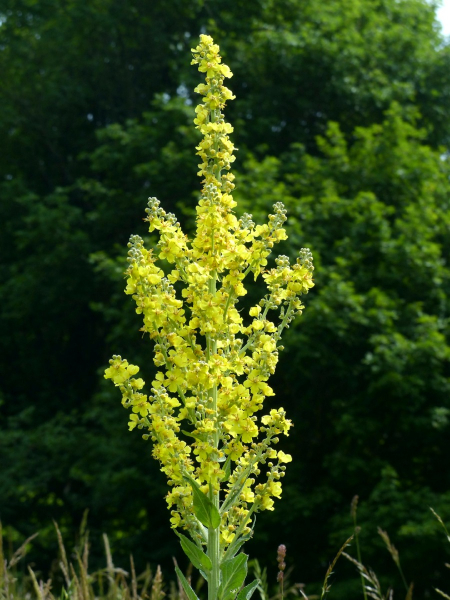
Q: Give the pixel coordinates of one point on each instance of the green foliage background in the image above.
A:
(342, 114)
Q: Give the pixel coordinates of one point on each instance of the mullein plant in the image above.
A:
(201, 412)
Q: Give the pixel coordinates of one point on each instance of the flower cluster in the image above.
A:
(213, 365)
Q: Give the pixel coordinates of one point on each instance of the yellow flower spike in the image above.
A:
(213, 362)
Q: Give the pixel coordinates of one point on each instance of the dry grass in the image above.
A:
(115, 583)
(109, 583)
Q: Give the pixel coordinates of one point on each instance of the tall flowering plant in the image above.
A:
(201, 412)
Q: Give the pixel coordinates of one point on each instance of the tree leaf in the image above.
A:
(198, 558)
(186, 587)
(204, 509)
(247, 592)
(234, 572)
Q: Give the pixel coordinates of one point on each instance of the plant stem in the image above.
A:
(213, 553)
(214, 534)
(403, 577)
(358, 552)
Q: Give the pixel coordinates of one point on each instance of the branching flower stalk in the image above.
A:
(201, 412)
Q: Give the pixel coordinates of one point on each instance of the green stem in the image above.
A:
(213, 548)
(358, 553)
(403, 577)
(227, 305)
(213, 553)
(285, 320)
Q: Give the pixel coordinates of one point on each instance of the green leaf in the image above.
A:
(235, 546)
(227, 469)
(204, 509)
(247, 592)
(234, 572)
(198, 558)
(186, 587)
(192, 435)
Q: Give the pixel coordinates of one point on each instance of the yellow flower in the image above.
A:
(213, 368)
(255, 381)
(120, 371)
(134, 420)
(284, 458)
(175, 520)
(227, 537)
(174, 378)
(266, 503)
(275, 489)
(159, 380)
